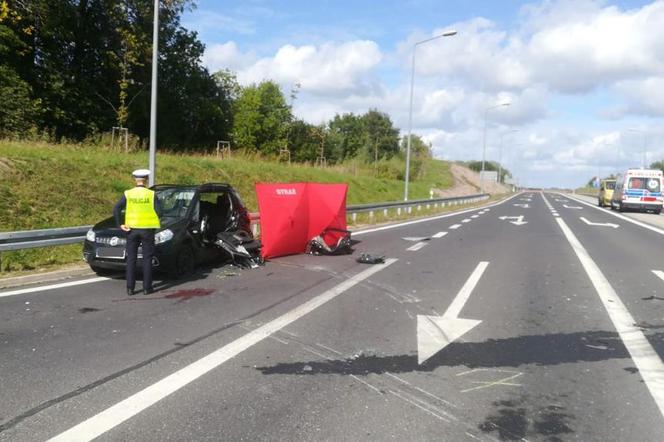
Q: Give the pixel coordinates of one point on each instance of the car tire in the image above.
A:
(185, 262)
(621, 208)
(599, 203)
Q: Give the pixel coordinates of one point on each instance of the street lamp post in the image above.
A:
(153, 99)
(644, 152)
(410, 112)
(500, 154)
(486, 111)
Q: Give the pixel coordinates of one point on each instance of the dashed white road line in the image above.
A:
(439, 235)
(52, 286)
(659, 274)
(416, 247)
(474, 216)
(455, 226)
(466, 220)
(126, 409)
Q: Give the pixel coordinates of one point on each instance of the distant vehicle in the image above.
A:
(606, 192)
(196, 224)
(638, 189)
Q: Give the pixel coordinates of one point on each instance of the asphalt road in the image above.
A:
(567, 342)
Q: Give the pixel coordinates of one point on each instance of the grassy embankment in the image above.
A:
(44, 186)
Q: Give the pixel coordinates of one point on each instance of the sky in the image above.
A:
(584, 79)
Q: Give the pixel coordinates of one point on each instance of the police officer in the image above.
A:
(140, 222)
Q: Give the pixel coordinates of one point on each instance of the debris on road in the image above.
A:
(366, 258)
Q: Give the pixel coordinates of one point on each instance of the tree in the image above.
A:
(658, 165)
(380, 137)
(345, 136)
(261, 118)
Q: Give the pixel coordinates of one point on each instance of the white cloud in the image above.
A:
(227, 56)
(327, 69)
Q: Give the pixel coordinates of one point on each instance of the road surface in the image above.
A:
(538, 318)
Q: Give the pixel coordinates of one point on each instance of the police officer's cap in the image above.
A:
(141, 173)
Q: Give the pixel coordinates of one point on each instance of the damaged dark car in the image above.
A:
(199, 224)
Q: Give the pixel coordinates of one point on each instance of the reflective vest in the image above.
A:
(140, 213)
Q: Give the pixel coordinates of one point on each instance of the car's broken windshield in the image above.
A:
(175, 202)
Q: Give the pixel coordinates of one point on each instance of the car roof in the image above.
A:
(200, 187)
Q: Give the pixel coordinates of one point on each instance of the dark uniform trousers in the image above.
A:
(145, 237)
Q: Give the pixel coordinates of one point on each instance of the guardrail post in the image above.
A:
(428, 206)
(384, 212)
(419, 207)
(354, 217)
(254, 229)
(398, 210)
(371, 214)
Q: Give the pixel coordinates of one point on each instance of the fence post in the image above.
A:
(354, 217)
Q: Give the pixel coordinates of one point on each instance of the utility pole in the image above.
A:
(153, 99)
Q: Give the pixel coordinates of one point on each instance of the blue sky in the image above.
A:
(578, 73)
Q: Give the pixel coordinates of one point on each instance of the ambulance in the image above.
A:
(638, 189)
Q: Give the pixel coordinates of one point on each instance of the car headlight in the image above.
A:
(90, 236)
(163, 236)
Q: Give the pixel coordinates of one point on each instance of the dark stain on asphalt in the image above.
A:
(543, 350)
(511, 421)
(187, 294)
(632, 370)
(88, 310)
(644, 324)
(653, 298)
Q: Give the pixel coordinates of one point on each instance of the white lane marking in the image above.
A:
(433, 218)
(525, 206)
(659, 274)
(644, 356)
(572, 207)
(439, 235)
(416, 247)
(475, 216)
(466, 220)
(123, 410)
(455, 226)
(617, 215)
(590, 223)
(44, 288)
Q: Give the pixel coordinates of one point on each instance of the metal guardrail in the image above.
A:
(30, 239)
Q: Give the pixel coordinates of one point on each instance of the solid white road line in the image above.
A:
(439, 235)
(433, 218)
(455, 226)
(644, 356)
(416, 247)
(120, 412)
(52, 286)
(617, 215)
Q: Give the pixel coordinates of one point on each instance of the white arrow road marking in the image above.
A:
(643, 354)
(518, 220)
(439, 235)
(572, 207)
(525, 206)
(434, 333)
(126, 409)
(455, 226)
(615, 226)
(415, 238)
(416, 247)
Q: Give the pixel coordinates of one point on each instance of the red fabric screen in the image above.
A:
(292, 214)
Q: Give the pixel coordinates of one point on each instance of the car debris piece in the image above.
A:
(330, 242)
(242, 248)
(366, 258)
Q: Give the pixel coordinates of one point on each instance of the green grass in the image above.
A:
(45, 186)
